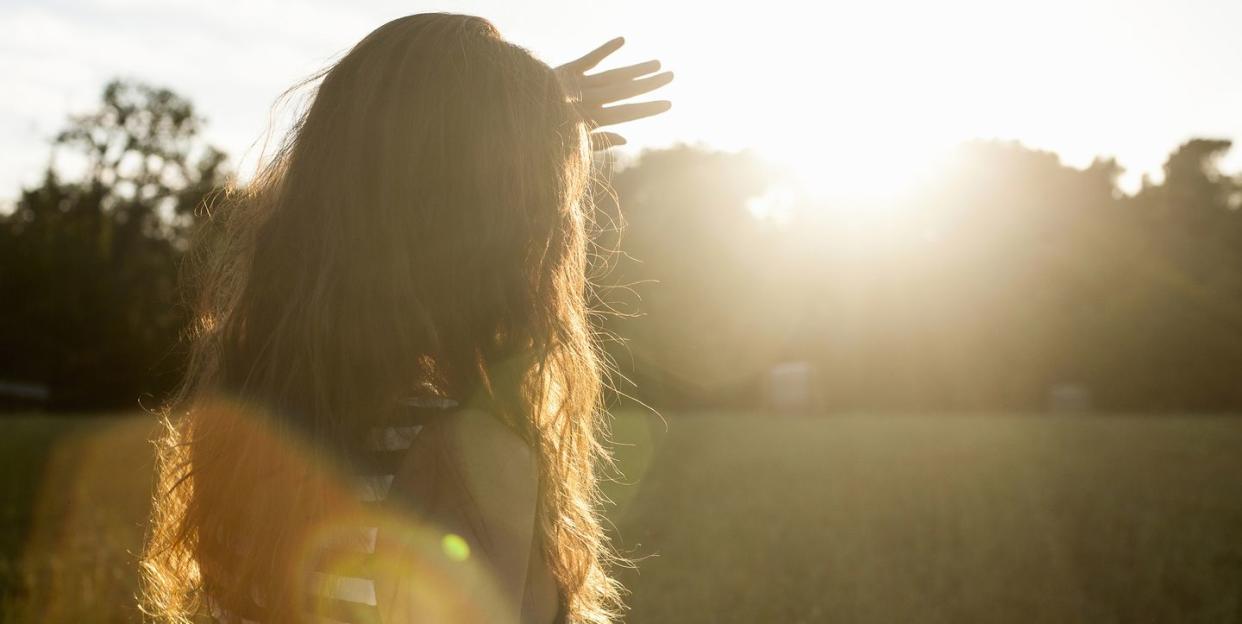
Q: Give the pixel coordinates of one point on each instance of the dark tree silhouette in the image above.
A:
(1007, 276)
(89, 279)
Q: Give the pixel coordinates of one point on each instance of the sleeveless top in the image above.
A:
(342, 599)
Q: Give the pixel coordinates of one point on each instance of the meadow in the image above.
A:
(764, 518)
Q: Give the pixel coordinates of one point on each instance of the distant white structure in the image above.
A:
(1068, 397)
(23, 390)
(22, 394)
(789, 387)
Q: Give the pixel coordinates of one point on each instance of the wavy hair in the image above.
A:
(423, 228)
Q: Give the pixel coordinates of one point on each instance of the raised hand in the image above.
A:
(594, 92)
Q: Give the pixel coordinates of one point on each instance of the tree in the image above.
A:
(1009, 274)
(89, 276)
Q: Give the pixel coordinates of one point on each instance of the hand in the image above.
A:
(593, 92)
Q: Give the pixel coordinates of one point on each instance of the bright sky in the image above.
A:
(853, 94)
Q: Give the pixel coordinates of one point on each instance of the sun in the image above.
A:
(857, 171)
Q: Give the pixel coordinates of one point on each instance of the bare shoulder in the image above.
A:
(476, 479)
(484, 440)
(471, 458)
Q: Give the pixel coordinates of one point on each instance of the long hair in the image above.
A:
(423, 228)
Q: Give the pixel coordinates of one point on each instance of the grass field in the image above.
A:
(742, 518)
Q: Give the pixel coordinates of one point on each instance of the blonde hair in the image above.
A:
(423, 226)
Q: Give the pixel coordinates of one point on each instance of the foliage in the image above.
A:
(89, 276)
(1007, 275)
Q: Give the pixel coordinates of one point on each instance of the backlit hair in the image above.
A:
(423, 228)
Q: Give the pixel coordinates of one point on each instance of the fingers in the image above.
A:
(614, 85)
(601, 141)
(629, 112)
(593, 58)
(619, 74)
(627, 89)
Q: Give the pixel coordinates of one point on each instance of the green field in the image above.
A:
(753, 518)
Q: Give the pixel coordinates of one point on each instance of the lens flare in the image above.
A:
(455, 547)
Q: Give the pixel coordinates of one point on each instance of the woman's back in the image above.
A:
(434, 475)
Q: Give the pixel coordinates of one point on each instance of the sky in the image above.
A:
(855, 96)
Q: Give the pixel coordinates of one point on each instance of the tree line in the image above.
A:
(91, 316)
(1007, 275)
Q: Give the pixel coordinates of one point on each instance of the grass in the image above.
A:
(75, 496)
(754, 518)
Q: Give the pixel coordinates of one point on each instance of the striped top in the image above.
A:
(350, 598)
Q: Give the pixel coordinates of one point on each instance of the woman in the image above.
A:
(391, 411)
